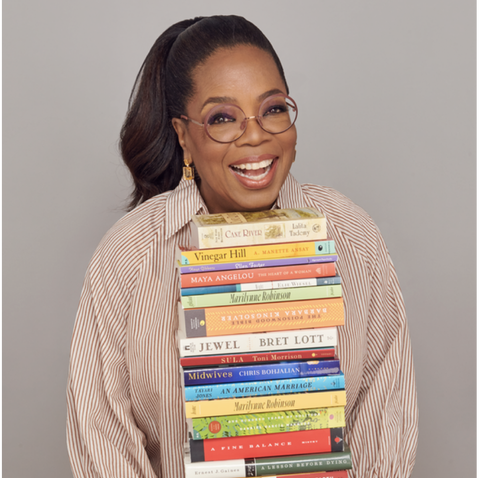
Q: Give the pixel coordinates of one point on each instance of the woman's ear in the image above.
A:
(181, 130)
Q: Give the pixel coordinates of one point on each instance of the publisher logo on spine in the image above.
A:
(214, 427)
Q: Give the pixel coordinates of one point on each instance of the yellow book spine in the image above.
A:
(255, 253)
(234, 406)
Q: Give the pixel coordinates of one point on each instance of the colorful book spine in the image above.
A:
(259, 388)
(228, 266)
(304, 442)
(190, 256)
(236, 359)
(305, 271)
(291, 464)
(249, 373)
(261, 296)
(264, 227)
(260, 423)
(234, 406)
(254, 286)
(274, 316)
(259, 342)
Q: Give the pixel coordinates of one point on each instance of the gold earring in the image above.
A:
(188, 172)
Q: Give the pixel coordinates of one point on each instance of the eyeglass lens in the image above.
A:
(226, 123)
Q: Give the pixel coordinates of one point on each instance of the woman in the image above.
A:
(125, 415)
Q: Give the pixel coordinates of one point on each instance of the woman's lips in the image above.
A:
(255, 173)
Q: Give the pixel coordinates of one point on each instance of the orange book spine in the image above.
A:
(307, 271)
(265, 317)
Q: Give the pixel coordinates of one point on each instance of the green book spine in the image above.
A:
(304, 463)
(263, 423)
(261, 296)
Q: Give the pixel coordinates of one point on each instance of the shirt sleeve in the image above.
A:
(383, 427)
(102, 437)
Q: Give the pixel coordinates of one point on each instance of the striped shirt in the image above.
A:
(125, 412)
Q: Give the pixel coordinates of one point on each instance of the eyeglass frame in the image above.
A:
(257, 117)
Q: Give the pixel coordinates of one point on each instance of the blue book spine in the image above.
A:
(215, 289)
(219, 289)
(272, 387)
(250, 373)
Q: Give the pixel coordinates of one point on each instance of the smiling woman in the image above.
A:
(211, 97)
(241, 164)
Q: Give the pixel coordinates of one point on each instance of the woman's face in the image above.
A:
(243, 76)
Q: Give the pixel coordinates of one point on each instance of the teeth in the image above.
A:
(256, 178)
(261, 164)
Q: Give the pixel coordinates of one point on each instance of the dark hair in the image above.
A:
(148, 141)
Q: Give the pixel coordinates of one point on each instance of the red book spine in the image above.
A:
(304, 442)
(306, 271)
(258, 358)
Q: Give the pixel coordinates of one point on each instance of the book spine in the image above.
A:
(258, 275)
(249, 373)
(318, 474)
(259, 388)
(252, 253)
(304, 463)
(291, 464)
(228, 266)
(260, 342)
(233, 406)
(261, 423)
(284, 284)
(269, 317)
(234, 359)
(277, 444)
(231, 235)
(260, 297)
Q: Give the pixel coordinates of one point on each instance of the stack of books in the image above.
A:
(264, 393)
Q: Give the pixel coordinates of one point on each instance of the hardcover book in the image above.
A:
(261, 296)
(269, 371)
(291, 464)
(268, 317)
(261, 357)
(227, 266)
(318, 474)
(259, 342)
(257, 275)
(276, 444)
(259, 388)
(238, 406)
(192, 256)
(260, 423)
(262, 227)
(256, 286)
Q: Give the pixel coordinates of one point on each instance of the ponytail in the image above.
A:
(148, 141)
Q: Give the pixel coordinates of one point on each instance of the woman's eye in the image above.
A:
(220, 118)
(273, 110)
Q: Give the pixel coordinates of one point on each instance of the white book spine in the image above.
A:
(219, 469)
(231, 235)
(258, 342)
(279, 284)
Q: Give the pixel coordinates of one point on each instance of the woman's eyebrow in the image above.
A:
(268, 93)
(218, 100)
(229, 99)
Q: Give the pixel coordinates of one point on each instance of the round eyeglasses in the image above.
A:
(225, 123)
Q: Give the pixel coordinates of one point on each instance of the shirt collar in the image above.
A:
(182, 203)
(185, 201)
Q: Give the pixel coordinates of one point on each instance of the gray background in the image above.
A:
(386, 93)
